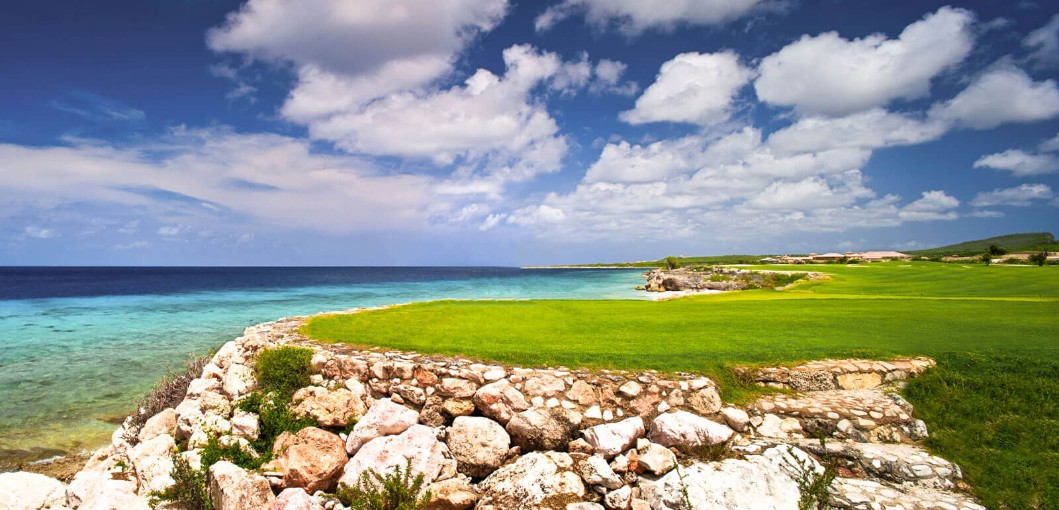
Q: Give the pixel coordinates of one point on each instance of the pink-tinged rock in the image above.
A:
(544, 386)
(233, 488)
(452, 494)
(582, 393)
(736, 418)
(312, 459)
(295, 498)
(110, 494)
(328, 408)
(543, 429)
(238, 380)
(610, 439)
(500, 401)
(457, 388)
(655, 459)
(705, 400)
(384, 418)
(245, 424)
(530, 481)
(383, 454)
(30, 491)
(682, 427)
(478, 444)
(162, 423)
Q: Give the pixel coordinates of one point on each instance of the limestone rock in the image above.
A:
(858, 380)
(383, 454)
(544, 386)
(596, 471)
(162, 423)
(452, 494)
(736, 418)
(618, 499)
(532, 481)
(457, 388)
(457, 407)
(384, 418)
(238, 380)
(233, 488)
(152, 463)
(543, 429)
(328, 408)
(245, 424)
(312, 459)
(610, 439)
(705, 401)
(478, 444)
(682, 427)
(631, 389)
(655, 459)
(582, 393)
(755, 482)
(295, 498)
(500, 401)
(30, 491)
(110, 494)
(584, 505)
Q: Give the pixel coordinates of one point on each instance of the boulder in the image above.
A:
(582, 393)
(295, 498)
(152, 463)
(162, 423)
(110, 494)
(312, 459)
(610, 439)
(757, 481)
(30, 491)
(532, 481)
(655, 459)
(452, 494)
(457, 388)
(383, 454)
(199, 386)
(618, 499)
(596, 471)
(384, 418)
(500, 401)
(705, 401)
(238, 380)
(233, 488)
(328, 408)
(245, 424)
(736, 418)
(543, 429)
(631, 389)
(858, 380)
(478, 444)
(682, 427)
(544, 386)
(454, 407)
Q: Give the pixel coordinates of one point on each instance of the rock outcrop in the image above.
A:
(495, 437)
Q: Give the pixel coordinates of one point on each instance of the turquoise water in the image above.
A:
(73, 367)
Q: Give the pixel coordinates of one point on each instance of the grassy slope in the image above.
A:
(1011, 242)
(993, 403)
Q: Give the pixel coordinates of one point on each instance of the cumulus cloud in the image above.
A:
(216, 177)
(1044, 43)
(697, 88)
(1002, 95)
(1019, 163)
(1051, 145)
(872, 129)
(932, 206)
(39, 232)
(1020, 196)
(830, 75)
(634, 16)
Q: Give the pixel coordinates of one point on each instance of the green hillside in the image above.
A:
(1012, 242)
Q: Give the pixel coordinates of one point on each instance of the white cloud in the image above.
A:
(39, 232)
(536, 215)
(809, 193)
(932, 206)
(1019, 196)
(986, 213)
(696, 88)
(1019, 163)
(1050, 145)
(830, 75)
(1045, 44)
(1002, 95)
(203, 178)
(635, 16)
(872, 129)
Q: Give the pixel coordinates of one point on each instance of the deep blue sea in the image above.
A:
(80, 346)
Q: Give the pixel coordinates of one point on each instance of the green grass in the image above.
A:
(993, 329)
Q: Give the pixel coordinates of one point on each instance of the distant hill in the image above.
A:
(1035, 241)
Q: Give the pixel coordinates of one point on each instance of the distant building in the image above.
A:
(829, 257)
(878, 256)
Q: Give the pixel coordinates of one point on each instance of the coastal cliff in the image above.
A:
(489, 436)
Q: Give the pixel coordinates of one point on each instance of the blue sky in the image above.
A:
(365, 132)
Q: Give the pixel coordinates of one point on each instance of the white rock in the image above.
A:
(245, 424)
(631, 389)
(152, 462)
(384, 418)
(656, 459)
(238, 380)
(383, 454)
(682, 427)
(736, 418)
(30, 491)
(527, 482)
(478, 444)
(610, 439)
(162, 423)
(114, 495)
(500, 401)
(594, 413)
(596, 471)
(233, 488)
(199, 386)
(618, 499)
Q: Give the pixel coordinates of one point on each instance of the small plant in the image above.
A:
(987, 258)
(814, 486)
(275, 417)
(214, 452)
(684, 490)
(284, 369)
(1039, 258)
(396, 490)
(672, 262)
(705, 451)
(189, 490)
(168, 392)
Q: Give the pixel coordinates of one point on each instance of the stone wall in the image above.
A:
(490, 436)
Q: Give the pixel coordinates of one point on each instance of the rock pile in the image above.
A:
(717, 278)
(488, 436)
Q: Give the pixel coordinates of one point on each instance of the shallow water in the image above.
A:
(79, 346)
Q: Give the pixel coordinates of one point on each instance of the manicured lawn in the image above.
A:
(991, 404)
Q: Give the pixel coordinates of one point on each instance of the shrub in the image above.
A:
(284, 369)
(189, 490)
(672, 262)
(275, 417)
(214, 452)
(396, 490)
(996, 250)
(167, 392)
(814, 486)
(1039, 258)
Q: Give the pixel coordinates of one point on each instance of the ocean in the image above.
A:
(80, 346)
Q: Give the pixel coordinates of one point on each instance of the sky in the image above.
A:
(495, 132)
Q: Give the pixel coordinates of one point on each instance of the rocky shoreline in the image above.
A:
(489, 436)
(705, 279)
